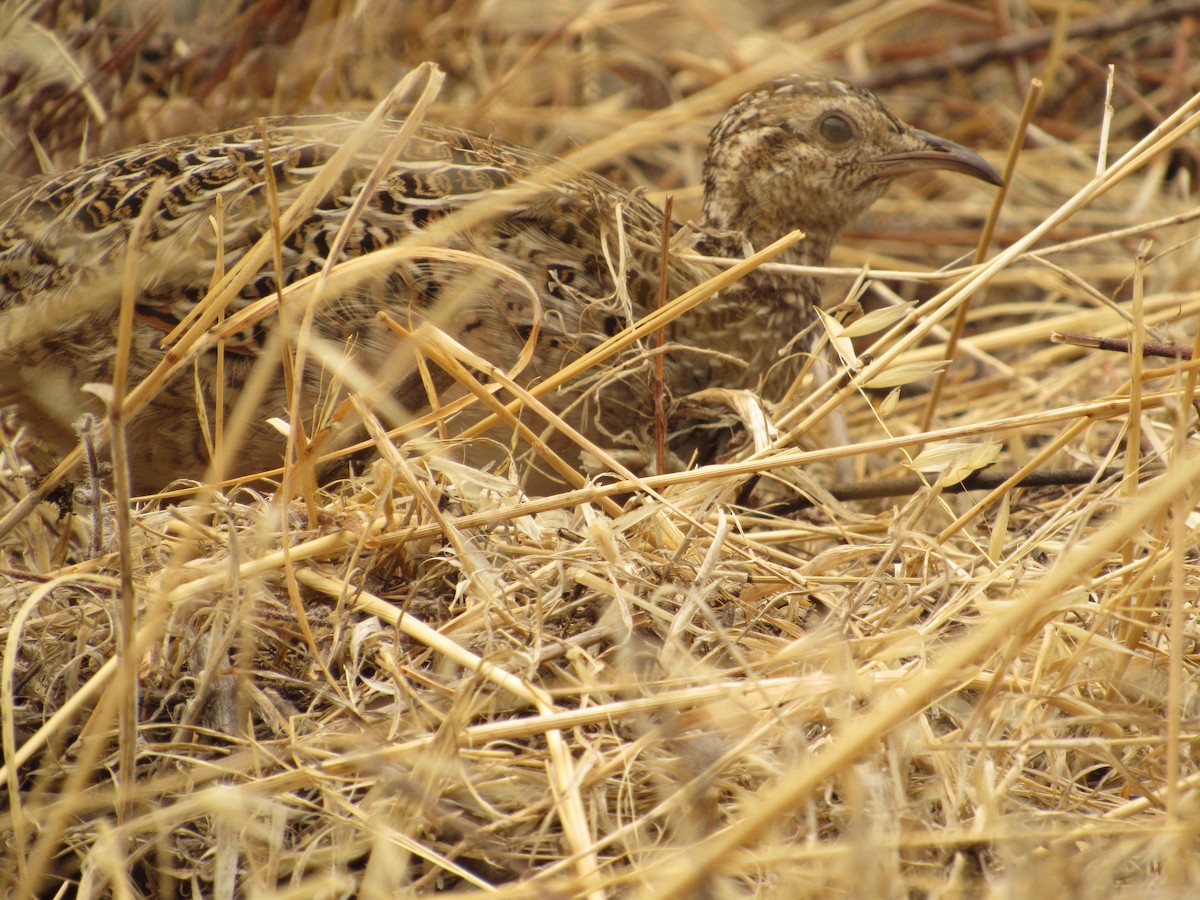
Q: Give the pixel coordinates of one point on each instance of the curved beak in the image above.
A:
(937, 153)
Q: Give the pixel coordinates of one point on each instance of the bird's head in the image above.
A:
(813, 154)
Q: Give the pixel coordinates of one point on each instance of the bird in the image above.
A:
(530, 287)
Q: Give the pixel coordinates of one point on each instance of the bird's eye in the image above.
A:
(836, 130)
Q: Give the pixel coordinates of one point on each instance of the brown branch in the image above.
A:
(1120, 345)
(967, 57)
(979, 481)
(660, 336)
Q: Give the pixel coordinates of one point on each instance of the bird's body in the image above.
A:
(557, 273)
(64, 240)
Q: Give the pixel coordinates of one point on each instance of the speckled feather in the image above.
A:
(770, 168)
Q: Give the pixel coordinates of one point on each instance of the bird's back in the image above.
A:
(577, 258)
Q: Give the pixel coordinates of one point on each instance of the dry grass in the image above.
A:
(422, 681)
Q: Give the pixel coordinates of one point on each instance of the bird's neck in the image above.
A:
(762, 319)
(784, 299)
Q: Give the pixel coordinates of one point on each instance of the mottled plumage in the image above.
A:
(807, 153)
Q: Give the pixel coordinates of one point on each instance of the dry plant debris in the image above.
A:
(418, 680)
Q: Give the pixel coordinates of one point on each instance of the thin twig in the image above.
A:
(1121, 345)
(660, 337)
(908, 485)
(968, 57)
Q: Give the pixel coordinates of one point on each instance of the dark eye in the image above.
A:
(836, 130)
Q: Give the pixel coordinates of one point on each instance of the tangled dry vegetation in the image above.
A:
(741, 681)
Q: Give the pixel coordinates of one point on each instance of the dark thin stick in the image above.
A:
(660, 410)
(910, 484)
(968, 57)
(1120, 345)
